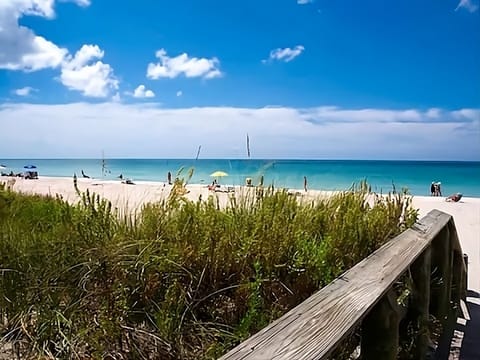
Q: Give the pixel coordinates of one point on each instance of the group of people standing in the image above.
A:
(435, 189)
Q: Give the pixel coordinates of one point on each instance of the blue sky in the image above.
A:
(306, 79)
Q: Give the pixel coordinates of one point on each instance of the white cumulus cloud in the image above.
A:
(20, 47)
(142, 92)
(25, 91)
(116, 97)
(303, 2)
(83, 3)
(286, 54)
(179, 93)
(82, 73)
(279, 132)
(171, 67)
(468, 5)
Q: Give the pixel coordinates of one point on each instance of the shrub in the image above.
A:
(182, 280)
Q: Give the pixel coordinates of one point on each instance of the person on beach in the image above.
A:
(214, 185)
(439, 190)
(432, 189)
(169, 178)
(305, 183)
(455, 197)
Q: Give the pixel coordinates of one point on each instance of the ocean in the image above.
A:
(416, 176)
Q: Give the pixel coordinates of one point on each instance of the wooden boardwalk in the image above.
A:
(364, 296)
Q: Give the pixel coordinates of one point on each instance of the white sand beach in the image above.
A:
(466, 212)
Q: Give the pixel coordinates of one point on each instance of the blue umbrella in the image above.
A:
(29, 167)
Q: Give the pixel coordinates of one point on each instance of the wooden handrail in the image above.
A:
(364, 296)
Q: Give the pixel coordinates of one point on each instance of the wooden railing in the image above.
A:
(364, 297)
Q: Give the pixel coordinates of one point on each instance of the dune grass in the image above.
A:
(181, 280)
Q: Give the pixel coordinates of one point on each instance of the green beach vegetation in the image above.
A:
(179, 280)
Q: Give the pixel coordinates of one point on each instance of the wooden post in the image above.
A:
(420, 271)
(458, 278)
(441, 276)
(465, 281)
(459, 266)
(380, 330)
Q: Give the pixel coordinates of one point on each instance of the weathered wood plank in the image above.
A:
(314, 328)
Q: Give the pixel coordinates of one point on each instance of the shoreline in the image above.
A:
(129, 198)
(328, 174)
(311, 190)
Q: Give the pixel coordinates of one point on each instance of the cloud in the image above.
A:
(285, 54)
(91, 78)
(303, 2)
(327, 114)
(142, 92)
(83, 3)
(25, 91)
(179, 93)
(147, 130)
(468, 5)
(116, 97)
(171, 67)
(433, 113)
(20, 48)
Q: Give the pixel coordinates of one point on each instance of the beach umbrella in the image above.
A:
(29, 167)
(218, 174)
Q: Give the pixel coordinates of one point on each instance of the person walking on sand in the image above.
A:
(305, 183)
(432, 189)
(169, 178)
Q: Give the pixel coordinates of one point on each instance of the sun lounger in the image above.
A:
(224, 188)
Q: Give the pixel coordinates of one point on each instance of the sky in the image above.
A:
(307, 79)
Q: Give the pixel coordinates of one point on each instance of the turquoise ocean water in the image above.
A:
(461, 177)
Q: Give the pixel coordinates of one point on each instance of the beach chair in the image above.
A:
(454, 198)
(224, 188)
(128, 182)
(30, 175)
